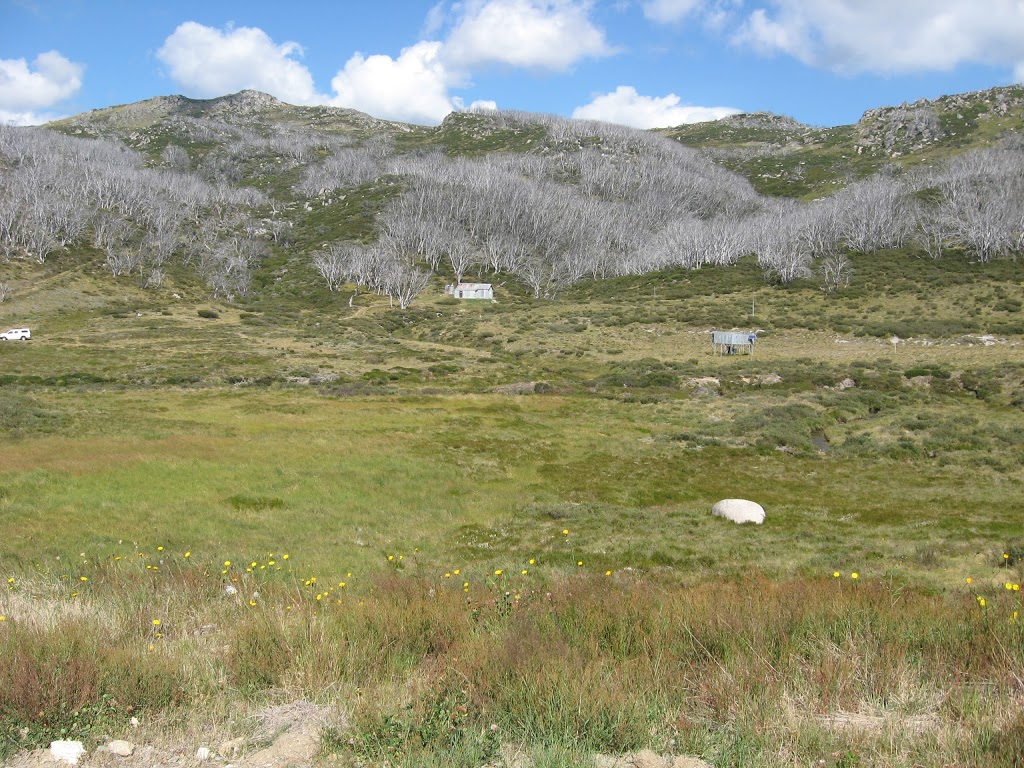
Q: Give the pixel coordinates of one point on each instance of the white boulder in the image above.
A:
(67, 751)
(739, 511)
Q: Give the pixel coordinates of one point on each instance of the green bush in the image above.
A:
(209, 314)
(242, 501)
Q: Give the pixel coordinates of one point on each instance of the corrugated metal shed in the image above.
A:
(732, 343)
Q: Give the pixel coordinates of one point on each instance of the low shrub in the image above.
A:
(72, 682)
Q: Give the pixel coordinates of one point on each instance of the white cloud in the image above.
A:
(9, 117)
(208, 62)
(24, 90)
(539, 34)
(416, 85)
(889, 36)
(413, 87)
(627, 107)
(669, 11)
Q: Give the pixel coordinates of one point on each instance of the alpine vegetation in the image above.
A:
(217, 186)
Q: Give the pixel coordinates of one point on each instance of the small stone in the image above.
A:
(67, 751)
(232, 747)
(203, 754)
(121, 748)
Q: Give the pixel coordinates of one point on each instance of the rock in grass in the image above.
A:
(121, 748)
(739, 511)
(67, 751)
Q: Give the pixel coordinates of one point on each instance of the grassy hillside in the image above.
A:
(786, 158)
(479, 533)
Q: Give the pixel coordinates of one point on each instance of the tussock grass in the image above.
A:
(744, 671)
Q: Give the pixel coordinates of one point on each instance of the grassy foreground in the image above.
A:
(302, 500)
(453, 573)
(430, 672)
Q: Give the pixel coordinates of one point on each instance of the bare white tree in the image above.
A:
(404, 283)
(121, 260)
(873, 214)
(836, 271)
(332, 266)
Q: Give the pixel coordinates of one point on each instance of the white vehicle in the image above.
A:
(16, 334)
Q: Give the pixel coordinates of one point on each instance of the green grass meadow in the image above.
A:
(468, 531)
(492, 480)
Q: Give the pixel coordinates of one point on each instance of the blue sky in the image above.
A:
(644, 63)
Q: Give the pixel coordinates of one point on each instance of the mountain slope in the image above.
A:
(783, 157)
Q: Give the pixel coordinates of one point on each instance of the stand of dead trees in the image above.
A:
(589, 201)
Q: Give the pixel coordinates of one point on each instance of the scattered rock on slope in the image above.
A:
(739, 511)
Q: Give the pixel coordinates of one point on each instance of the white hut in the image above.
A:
(470, 291)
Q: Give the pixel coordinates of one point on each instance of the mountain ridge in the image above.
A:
(778, 154)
